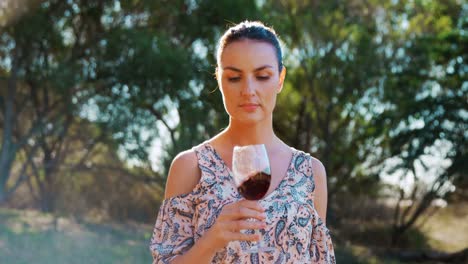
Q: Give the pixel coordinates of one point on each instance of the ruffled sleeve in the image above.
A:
(322, 247)
(322, 250)
(173, 231)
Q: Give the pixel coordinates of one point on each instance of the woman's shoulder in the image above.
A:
(318, 170)
(183, 174)
(185, 158)
(317, 167)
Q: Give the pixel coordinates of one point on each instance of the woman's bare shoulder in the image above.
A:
(183, 175)
(321, 193)
(318, 169)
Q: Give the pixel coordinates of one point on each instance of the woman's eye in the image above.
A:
(263, 78)
(234, 79)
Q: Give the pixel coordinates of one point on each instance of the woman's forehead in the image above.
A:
(248, 53)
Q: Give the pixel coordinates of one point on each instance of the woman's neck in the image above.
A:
(241, 134)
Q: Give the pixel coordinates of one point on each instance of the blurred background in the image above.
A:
(97, 97)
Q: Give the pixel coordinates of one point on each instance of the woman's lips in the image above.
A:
(249, 107)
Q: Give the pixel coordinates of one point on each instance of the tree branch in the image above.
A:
(38, 179)
(23, 176)
(160, 117)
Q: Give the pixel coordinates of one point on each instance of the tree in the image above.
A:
(167, 77)
(44, 63)
(122, 65)
(425, 96)
(333, 62)
(37, 79)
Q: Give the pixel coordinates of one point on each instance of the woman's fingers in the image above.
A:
(244, 237)
(237, 226)
(254, 205)
(244, 209)
(244, 212)
(237, 216)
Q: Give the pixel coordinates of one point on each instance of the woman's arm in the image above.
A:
(320, 178)
(183, 176)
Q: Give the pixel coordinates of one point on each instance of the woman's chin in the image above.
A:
(248, 120)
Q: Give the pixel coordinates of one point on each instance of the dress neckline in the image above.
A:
(231, 175)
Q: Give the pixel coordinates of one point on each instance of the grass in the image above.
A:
(446, 229)
(33, 237)
(354, 254)
(28, 236)
(362, 234)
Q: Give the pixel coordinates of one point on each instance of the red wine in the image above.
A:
(255, 187)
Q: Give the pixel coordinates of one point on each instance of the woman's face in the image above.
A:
(249, 80)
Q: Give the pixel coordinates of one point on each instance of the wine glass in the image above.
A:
(252, 175)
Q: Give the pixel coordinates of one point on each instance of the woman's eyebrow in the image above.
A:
(239, 70)
(263, 67)
(232, 69)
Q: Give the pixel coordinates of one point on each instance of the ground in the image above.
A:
(29, 236)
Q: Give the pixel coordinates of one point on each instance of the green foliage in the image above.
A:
(428, 89)
(332, 63)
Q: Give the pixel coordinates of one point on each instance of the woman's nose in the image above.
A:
(248, 87)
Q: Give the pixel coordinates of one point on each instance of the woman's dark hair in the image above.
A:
(253, 30)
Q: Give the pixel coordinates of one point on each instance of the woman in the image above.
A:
(201, 218)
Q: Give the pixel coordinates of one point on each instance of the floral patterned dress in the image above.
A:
(294, 228)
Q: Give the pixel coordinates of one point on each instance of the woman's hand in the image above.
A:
(234, 218)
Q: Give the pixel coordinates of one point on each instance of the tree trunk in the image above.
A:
(299, 128)
(404, 222)
(8, 148)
